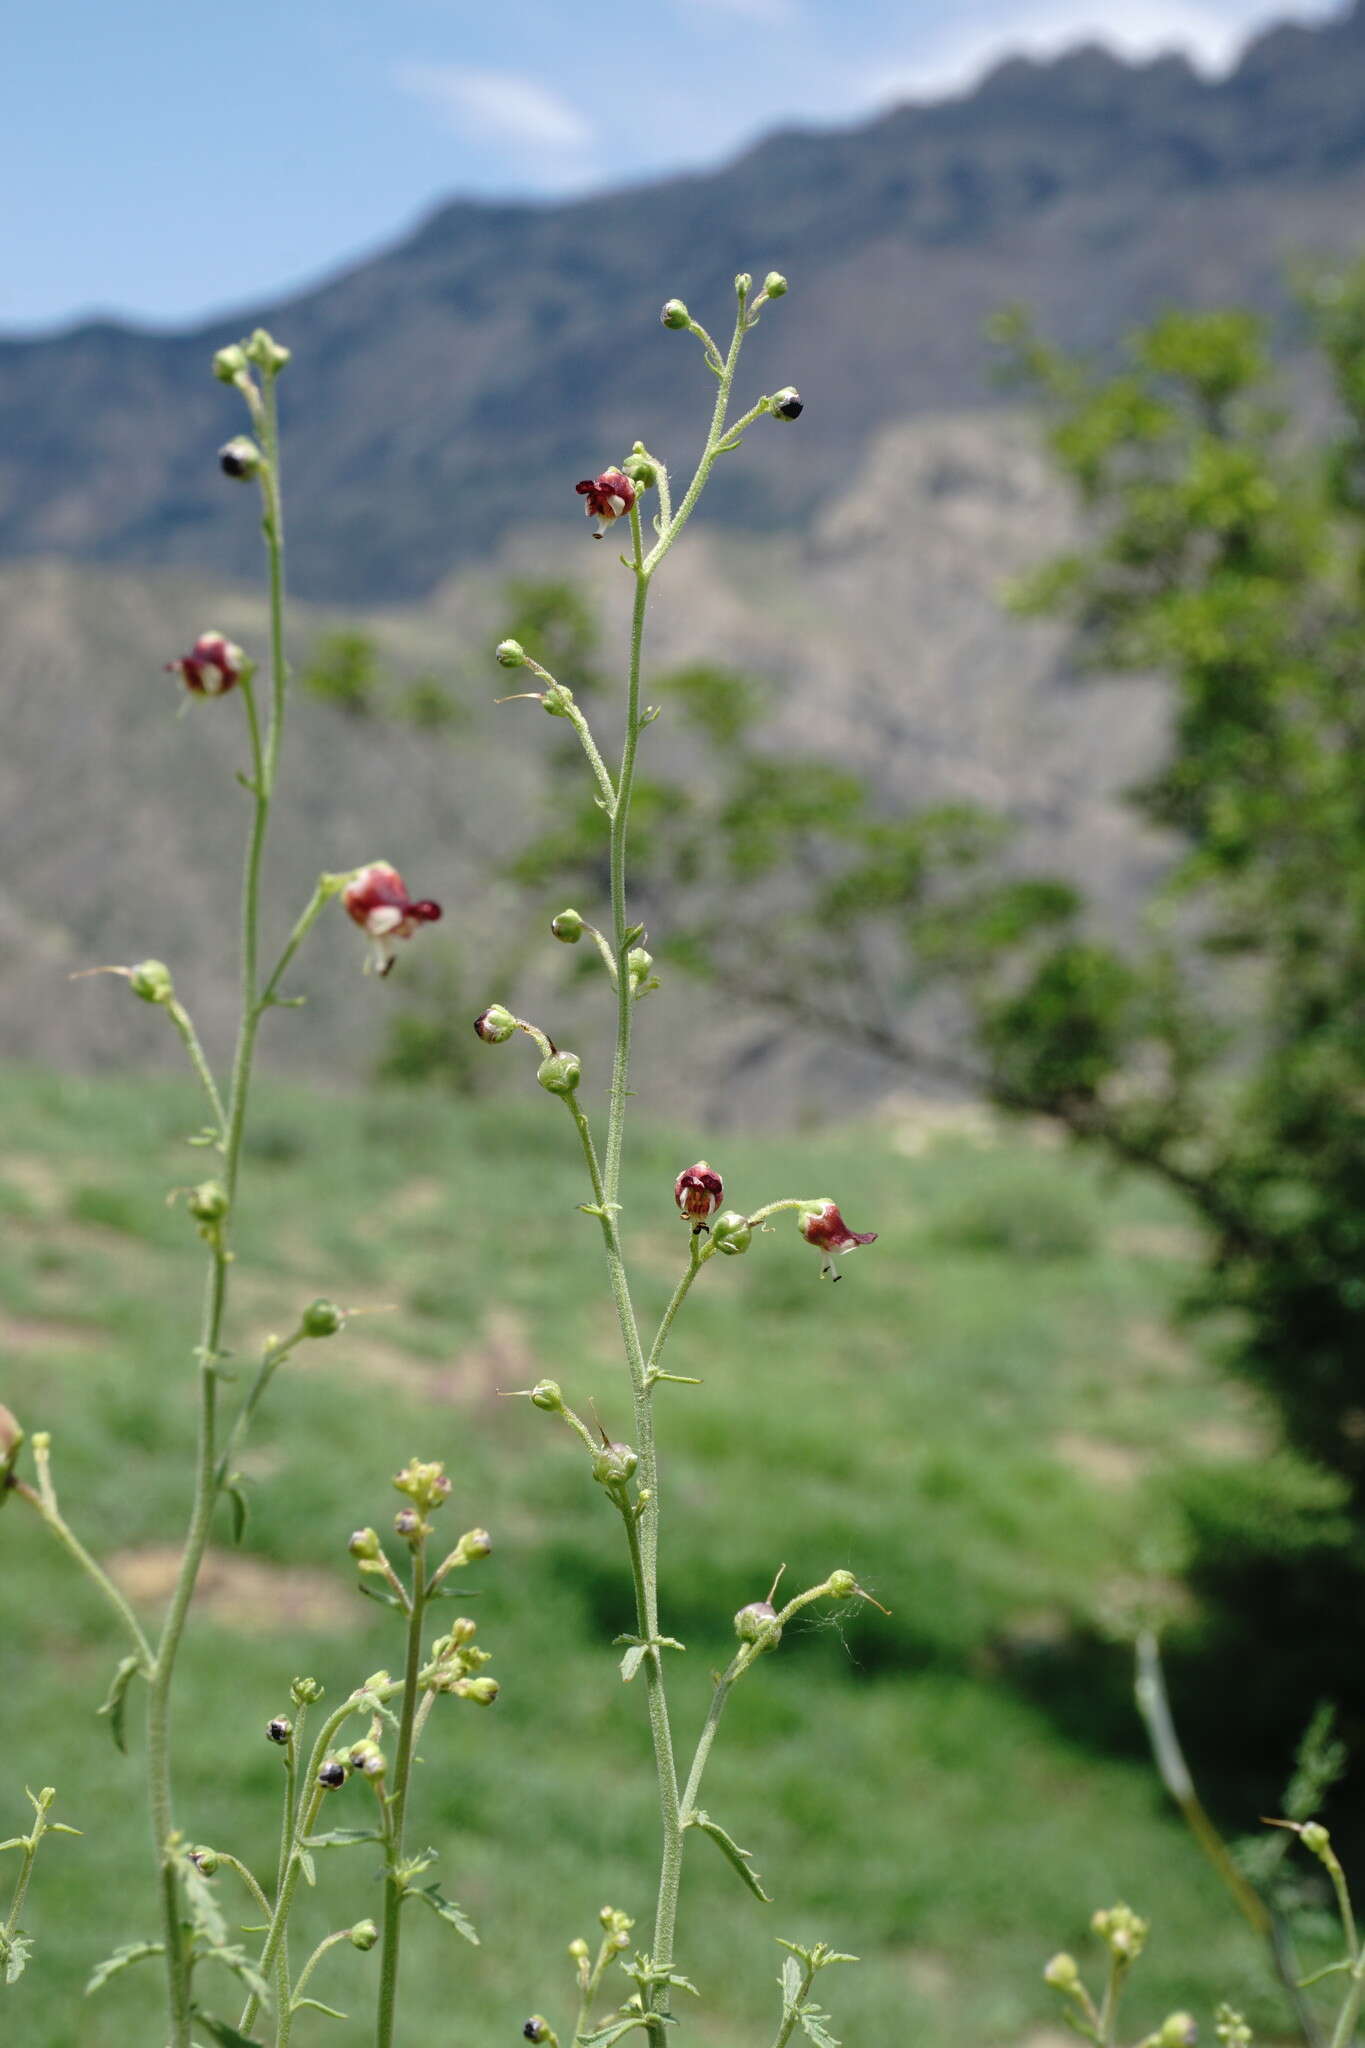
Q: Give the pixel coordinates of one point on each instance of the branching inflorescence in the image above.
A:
(629, 1473)
(372, 1735)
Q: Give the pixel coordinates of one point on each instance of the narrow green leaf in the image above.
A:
(226, 2036)
(631, 1662)
(446, 1909)
(122, 1959)
(374, 1592)
(237, 1500)
(316, 2005)
(116, 1700)
(614, 2029)
(341, 1838)
(736, 1857)
(308, 1867)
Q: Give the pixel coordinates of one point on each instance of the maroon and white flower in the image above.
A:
(378, 901)
(608, 496)
(698, 1192)
(821, 1225)
(211, 667)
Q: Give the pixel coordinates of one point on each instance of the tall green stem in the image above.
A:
(265, 765)
(394, 1884)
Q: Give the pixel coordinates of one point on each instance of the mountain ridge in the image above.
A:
(478, 365)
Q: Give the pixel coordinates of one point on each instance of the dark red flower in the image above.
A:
(378, 901)
(212, 665)
(698, 1192)
(823, 1226)
(608, 496)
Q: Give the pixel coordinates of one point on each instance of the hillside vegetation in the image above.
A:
(984, 1419)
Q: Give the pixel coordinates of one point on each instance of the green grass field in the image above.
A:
(981, 1420)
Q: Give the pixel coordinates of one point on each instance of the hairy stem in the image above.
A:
(394, 1884)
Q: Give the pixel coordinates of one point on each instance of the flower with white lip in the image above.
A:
(376, 898)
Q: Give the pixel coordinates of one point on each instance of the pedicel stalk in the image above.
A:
(629, 1473)
(376, 898)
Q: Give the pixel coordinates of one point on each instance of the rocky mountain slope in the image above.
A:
(457, 385)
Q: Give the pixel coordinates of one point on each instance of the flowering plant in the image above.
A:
(371, 1734)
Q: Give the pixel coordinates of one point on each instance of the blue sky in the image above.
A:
(163, 159)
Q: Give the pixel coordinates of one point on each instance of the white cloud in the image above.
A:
(1211, 32)
(503, 106)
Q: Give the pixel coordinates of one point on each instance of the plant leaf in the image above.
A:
(206, 1915)
(316, 2005)
(18, 1949)
(614, 2029)
(226, 2036)
(446, 1909)
(735, 1856)
(813, 2023)
(341, 1838)
(116, 1700)
(122, 1959)
(631, 1662)
(309, 1868)
(379, 1593)
(240, 1509)
(792, 1975)
(236, 1959)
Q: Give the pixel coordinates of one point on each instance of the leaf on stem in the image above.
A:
(316, 2005)
(792, 1978)
(116, 1700)
(206, 1915)
(446, 1909)
(631, 1662)
(379, 1593)
(614, 2029)
(341, 1838)
(18, 1949)
(740, 1860)
(240, 1506)
(226, 2036)
(122, 1959)
(813, 2023)
(236, 1959)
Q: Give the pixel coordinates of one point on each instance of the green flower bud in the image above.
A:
(842, 1584)
(641, 467)
(151, 980)
(367, 1758)
(496, 1025)
(1314, 1837)
(408, 1524)
(579, 1950)
(363, 1935)
(322, 1318)
(424, 1483)
(229, 363)
(786, 404)
(1178, 2030)
(560, 1073)
(774, 285)
(267, 353)
(567, 927)
(305, 1692)
(675, 314)
(537, 2028)
(483, 1691)
(473, 1545)
(208, 1203)
(638, 963)
(364, 1545)
(462, 1630)
(240, 458)
(744, 284)
(731, 1233)
(546, 1394)
(756, 1623)
(510, 654)
(1061, 1973)
(205, 1860)
(614, 1464)
(557, 700)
